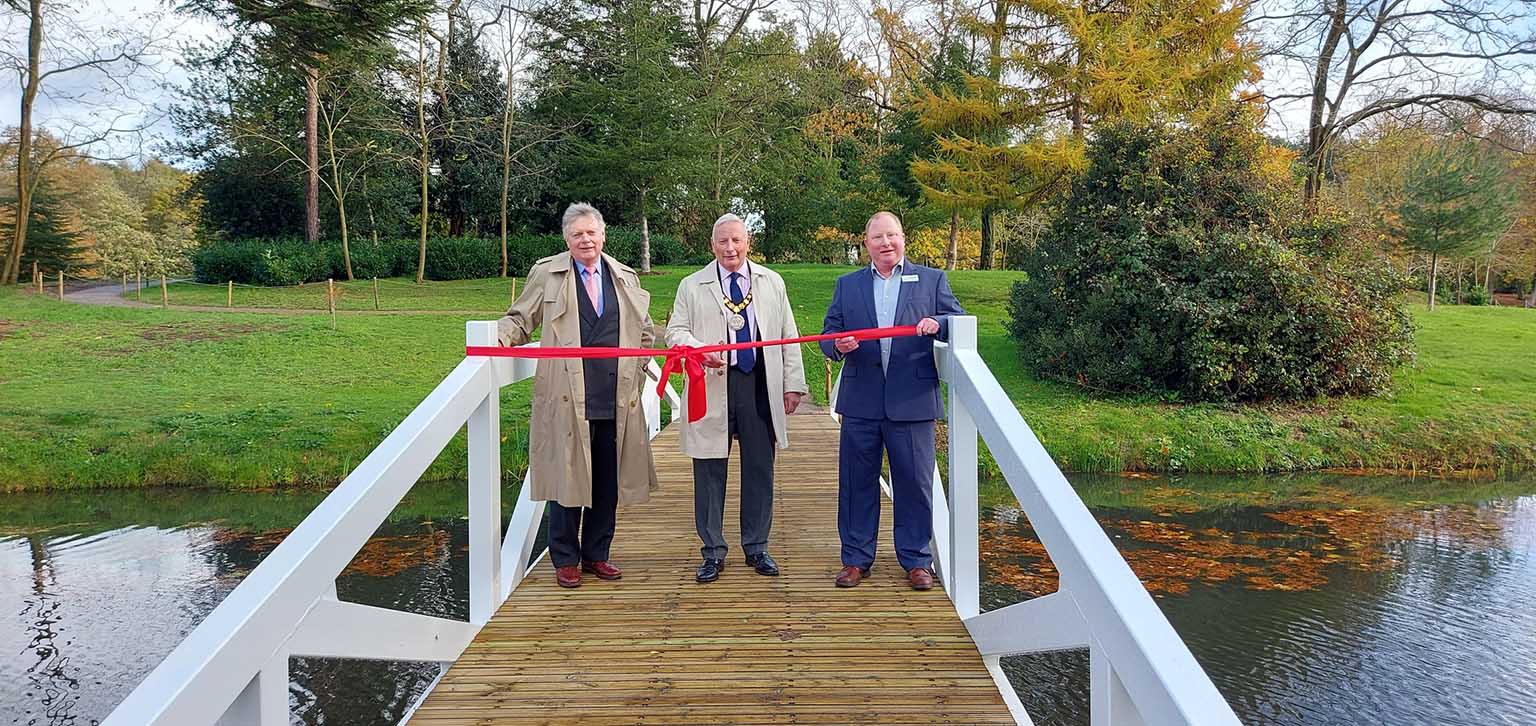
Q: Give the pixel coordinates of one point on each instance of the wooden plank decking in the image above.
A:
(656, 647)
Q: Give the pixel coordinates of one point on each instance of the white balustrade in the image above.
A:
(1140, 671)
(233, 668)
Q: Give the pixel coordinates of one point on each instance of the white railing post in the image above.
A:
(1108, 702)
(1141, 671)
(484, 488)
(962, 576)
(649, 401)
(264, 702)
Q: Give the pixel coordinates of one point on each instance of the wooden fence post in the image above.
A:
(229, 295)
(375, 293)
(330, 299)
(37, 279)
(826, 366)
(61, 284)
(165, 293)
(125, 283)
(138, 289)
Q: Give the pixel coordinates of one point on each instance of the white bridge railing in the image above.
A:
(233, 668)
(1140, 671)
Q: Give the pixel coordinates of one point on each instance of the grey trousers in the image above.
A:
(751, 424)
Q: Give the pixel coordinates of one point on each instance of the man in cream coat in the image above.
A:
(750, 391)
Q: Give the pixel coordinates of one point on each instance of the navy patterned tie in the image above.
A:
(746, 357)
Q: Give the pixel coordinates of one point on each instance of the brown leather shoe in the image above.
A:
(569, 576)
(604, 570)
(920, 578)
(851, 576)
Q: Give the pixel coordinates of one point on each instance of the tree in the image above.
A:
(304, 33)
(351, 106)
(927, 162)
(468, 108)
(52, 243)
(634, 131)
(1174, 269)
(1350, 61)
(521, 160)
(1455, 201)
(108, 221)
(58, 56)
(1014, 132)
(728, 95)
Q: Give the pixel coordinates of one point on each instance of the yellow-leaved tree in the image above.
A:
(1012, 132)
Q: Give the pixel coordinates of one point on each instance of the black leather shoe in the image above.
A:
(763, 564)
(710, 570)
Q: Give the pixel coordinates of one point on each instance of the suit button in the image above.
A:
(565, 398)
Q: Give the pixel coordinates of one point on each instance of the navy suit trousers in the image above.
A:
(910, 447)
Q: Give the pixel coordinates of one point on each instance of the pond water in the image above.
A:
(1309, 600)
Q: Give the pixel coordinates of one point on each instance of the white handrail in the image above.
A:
(1141, 672)
(233, 667)
(222, 659)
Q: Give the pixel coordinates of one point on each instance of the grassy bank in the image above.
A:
(124, 397)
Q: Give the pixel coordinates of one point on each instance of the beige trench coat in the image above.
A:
(698, 318)
(559, 440)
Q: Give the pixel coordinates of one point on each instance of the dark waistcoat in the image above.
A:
(600, 374)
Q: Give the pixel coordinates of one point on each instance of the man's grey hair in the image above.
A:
(577, 211)
(727, 218)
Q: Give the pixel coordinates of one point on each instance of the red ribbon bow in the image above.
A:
(685, 359)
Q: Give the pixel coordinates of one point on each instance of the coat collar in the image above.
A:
(712, 272)
(710, 276)
(563, 262)
(565, 298)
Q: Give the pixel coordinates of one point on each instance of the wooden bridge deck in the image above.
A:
(657, 647)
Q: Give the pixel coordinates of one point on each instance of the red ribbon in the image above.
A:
(685, 359)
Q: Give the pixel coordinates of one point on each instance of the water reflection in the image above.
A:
(1311, 611)
(47, 670)
(89, 610)
(1309, 601)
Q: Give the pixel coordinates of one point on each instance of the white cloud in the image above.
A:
(83, 102)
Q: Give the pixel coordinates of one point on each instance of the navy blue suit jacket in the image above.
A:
(909, 391)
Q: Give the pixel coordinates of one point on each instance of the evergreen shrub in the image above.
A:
(290, 261)
(1174, 270)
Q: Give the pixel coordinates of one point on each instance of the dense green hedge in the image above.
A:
(289, 261)
(1173, 270)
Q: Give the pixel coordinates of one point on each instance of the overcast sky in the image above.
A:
(67, 99)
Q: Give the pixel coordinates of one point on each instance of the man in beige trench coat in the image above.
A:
(588, 447)
(749, 391)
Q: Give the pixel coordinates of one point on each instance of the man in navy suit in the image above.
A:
(889, 400)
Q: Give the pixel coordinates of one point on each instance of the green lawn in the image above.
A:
(121, 397)
(489, 296)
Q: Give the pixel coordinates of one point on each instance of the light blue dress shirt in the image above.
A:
(887, 292)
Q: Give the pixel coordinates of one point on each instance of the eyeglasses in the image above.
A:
(892, 236)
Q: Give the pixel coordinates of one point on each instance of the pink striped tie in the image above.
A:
(592, 292)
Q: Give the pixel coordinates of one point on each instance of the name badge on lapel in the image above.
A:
(909, 278)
